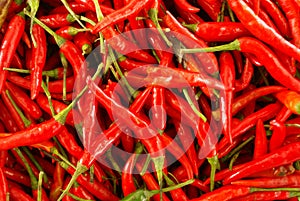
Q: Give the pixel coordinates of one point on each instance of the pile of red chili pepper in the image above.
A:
(184, 100)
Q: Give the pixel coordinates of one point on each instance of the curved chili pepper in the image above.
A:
(68, 141)
(16, 176)
(36, 134)
(81, 192)
(277, 16)
(241, 101)
(7, 119)
(23, 101)
(158, 116)
(4, 185)
(67, 32)
(9, 44)
(227, 74)
(186, 6)
(99, 190)
(90, 4)
(265, 17)
(211, 7)
(281, 156)
(261, 30)
(38, 59)
(123, 46)
(209, 61)
(273, 182)
(292, 14)
(151, 183)
(129, 10)
(185, 135)
(260, 143)
(246, 76)
(278, 135)
(55, 86)
(264, 114)
(76, 7)
(290, 99)
(58, 180)
(58, 106)
(218, 31)
(177, 194)
(19, 194)
(57, 20)
(268, 195)
(11, 108)
(188, 17)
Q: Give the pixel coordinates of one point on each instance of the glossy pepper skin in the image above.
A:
(9, 44)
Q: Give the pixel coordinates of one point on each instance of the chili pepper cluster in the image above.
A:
(184, 100)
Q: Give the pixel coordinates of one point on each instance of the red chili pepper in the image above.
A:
(4, 186)
(151, 183)
(225, 193)
(90, 4)
(83, 42)
(97, 189)
(36, 134)
(264, 114)
(58, 106)
(261, 30)
(57, 20)
(245, 78)
(23, 101)
(123, 46)
(273, 182)
(9, 44)
(172, 78)
(292, 14)
(17, 62)
(185, 135)
(260, 143)
(218, 31)
(77, 8)
(68, 141)
(16, 176)
(7, 119)
(188, 17)
(158, 116)
(290, 99)
(278, 135)
(227, 75)
(177, 194)
(281, 156)
(268, 195)
(265, 18)
(211, 7)
(186, 6)
(208, 60)
(9, 105)
(58, 180)
(19, 194)
(242, 101)
(55, 86)
(81, 192)
(67, 32)
(129, 10)
(277, 16)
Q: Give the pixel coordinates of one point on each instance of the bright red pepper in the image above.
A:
(9, 44)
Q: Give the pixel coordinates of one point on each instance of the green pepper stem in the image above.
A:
(214, 164)
(234, 45)
(26, 121)
(39, 187)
